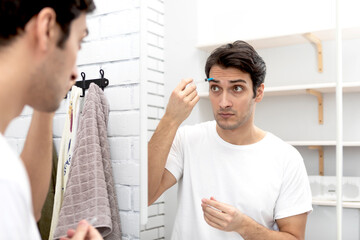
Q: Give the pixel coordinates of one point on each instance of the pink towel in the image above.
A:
(90, 192)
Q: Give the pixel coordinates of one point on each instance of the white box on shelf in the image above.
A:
(324, 188)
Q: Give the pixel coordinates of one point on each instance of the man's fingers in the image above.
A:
(212, 223)
(215, 219)
(81, 230)
(218, 205)
(213, 212)
(191, 96)
(70, 233)
(191, 88)
(183, 83)
(195, 100)
(94, 233)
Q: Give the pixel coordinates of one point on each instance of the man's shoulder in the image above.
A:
(271, 137)
(278, 144)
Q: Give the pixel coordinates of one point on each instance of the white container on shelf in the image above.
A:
(323, 188)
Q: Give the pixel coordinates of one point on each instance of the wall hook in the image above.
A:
(83, 84)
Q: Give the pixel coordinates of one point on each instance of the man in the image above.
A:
(236, 181)
(39, 41)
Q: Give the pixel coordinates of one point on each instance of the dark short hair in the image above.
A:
(15, 14)
(242, 56)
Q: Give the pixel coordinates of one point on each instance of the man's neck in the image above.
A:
(243, 135)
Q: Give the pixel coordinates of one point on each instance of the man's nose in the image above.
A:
(74, 74)
(225, 102)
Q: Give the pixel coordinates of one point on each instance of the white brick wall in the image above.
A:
(154, 229)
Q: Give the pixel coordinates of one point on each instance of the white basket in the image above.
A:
(324, 188)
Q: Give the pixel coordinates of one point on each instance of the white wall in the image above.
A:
(288, 65)
(260, 19)
(228, 20)
(113, 45)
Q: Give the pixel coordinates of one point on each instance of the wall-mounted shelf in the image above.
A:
(299, 38)
(321, 158)
(302, 89)
(333, 203)
(316, 90)
(203, 94)
(319, 145)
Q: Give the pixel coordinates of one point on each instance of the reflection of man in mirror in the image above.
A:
(39, 41)
(236, 181)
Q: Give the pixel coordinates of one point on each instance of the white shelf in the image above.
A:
(203, 94)
(324, 35)
(323, 143)
(348, 87)
(333, 203)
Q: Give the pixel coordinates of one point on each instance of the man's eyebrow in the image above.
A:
(213, 80)
(231, 81)
(237, 80)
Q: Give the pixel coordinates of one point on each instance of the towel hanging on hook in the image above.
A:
(84, 84)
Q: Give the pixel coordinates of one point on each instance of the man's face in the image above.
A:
(232, 98)
(58, 72)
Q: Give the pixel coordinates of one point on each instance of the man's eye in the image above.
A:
(238, 88)
(214, 88)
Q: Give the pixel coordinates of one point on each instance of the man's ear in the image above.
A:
(46, 28)
(259, 93)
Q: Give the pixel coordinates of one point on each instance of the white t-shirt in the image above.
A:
(16, 211)
(266, 180)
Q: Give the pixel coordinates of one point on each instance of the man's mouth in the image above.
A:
(226, 114)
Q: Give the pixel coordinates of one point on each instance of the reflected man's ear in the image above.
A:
(260, 93)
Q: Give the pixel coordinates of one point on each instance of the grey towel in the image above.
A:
(90, 191)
